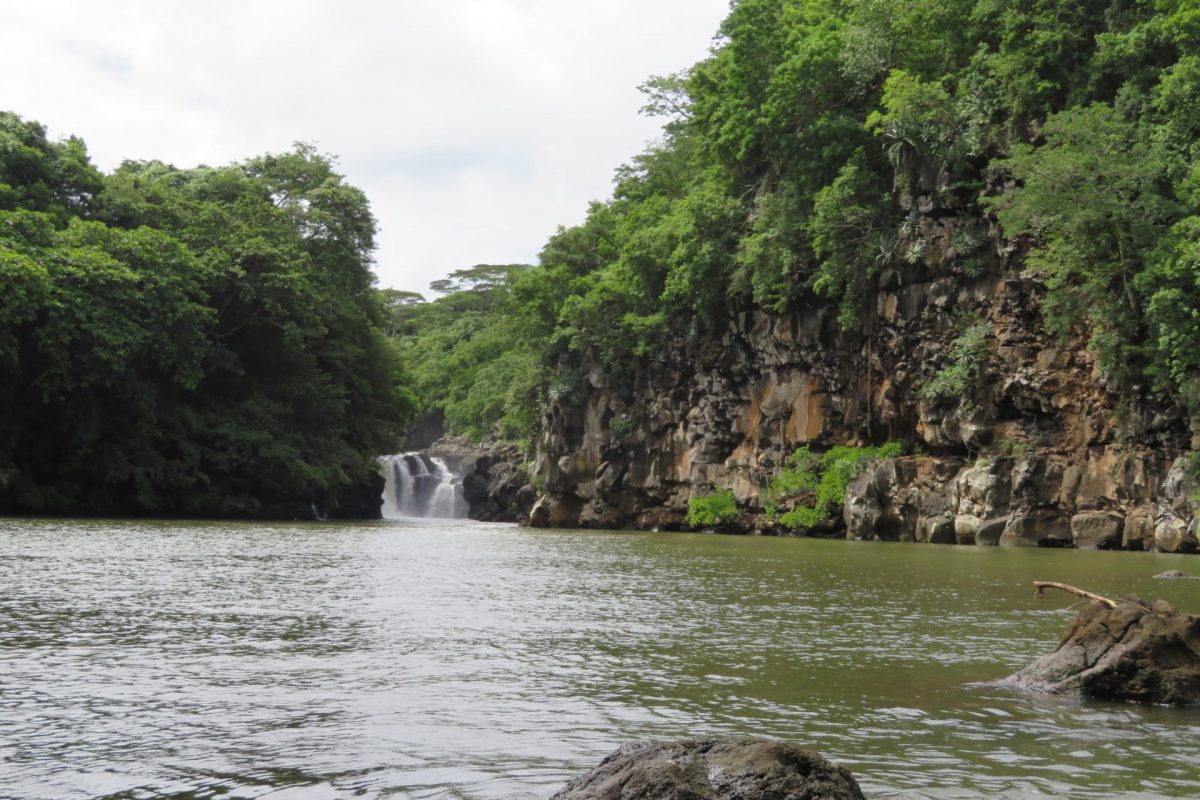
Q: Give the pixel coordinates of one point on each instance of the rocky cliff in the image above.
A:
(1036, 450)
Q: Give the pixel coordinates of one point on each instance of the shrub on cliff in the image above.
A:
(706, 511)
(960, 375)
(817, 483)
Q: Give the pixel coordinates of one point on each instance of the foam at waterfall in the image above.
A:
(416, 485)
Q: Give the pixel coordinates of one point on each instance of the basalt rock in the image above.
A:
(735, 768)
(1097, 530)
(1139, 652)
(990, 531)
(1037, 528)
(555, 512)
(1032, 442)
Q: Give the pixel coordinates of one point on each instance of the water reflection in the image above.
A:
(425, 659)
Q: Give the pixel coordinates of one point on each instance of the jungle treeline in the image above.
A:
(202, 342)
(209, 341)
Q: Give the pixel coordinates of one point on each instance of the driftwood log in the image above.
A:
(1042, 586)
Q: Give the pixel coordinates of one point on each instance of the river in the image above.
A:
(427, 659)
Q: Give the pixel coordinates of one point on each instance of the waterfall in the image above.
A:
(416, 485)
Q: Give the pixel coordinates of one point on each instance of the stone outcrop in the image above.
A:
(1139, 652)
(1040, 500)
(735, 768)
(425, 430)
(1030, 455)
(1097, 530)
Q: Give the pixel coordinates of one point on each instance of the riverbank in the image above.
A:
(1028, 501)
(1132, 503)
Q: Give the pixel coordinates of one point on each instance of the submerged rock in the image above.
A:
(1172, 574)
(732, 768)
(1134, 652)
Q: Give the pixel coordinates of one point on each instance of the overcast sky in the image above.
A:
(474, 126)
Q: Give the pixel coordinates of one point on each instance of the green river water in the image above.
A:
(423, 659)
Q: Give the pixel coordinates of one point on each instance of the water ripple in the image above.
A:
(449, 660)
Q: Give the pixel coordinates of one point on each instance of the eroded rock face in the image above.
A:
(1097, 530)
(1037, 528)
(1144, 653)
(734, 768)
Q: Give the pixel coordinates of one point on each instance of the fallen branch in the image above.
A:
(1042, 586)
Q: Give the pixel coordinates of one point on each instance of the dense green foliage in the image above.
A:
(717, 508)
(959, 376)
(201, 341)
(803, 157)
(815, 484)
(474, 353)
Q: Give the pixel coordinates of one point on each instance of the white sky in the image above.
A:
(474, 126)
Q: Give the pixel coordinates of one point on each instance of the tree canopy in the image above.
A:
(201, 342)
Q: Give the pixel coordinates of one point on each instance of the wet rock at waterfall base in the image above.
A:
(744, 767)
(494, 478)
(1137, 652)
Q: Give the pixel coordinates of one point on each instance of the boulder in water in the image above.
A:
(1171, 574)
(1129, 650)
(727, 768)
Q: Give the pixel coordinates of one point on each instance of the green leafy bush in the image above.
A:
(960, 374)
(973, 266)
(1095, 199)
(820, 480)
(1015, 448)
(965, 242)
(200, 342)
(621, 426)
(711, 509)
(566, 389)
(844, 225)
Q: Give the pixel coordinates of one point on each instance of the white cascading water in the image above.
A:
(416, 485)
